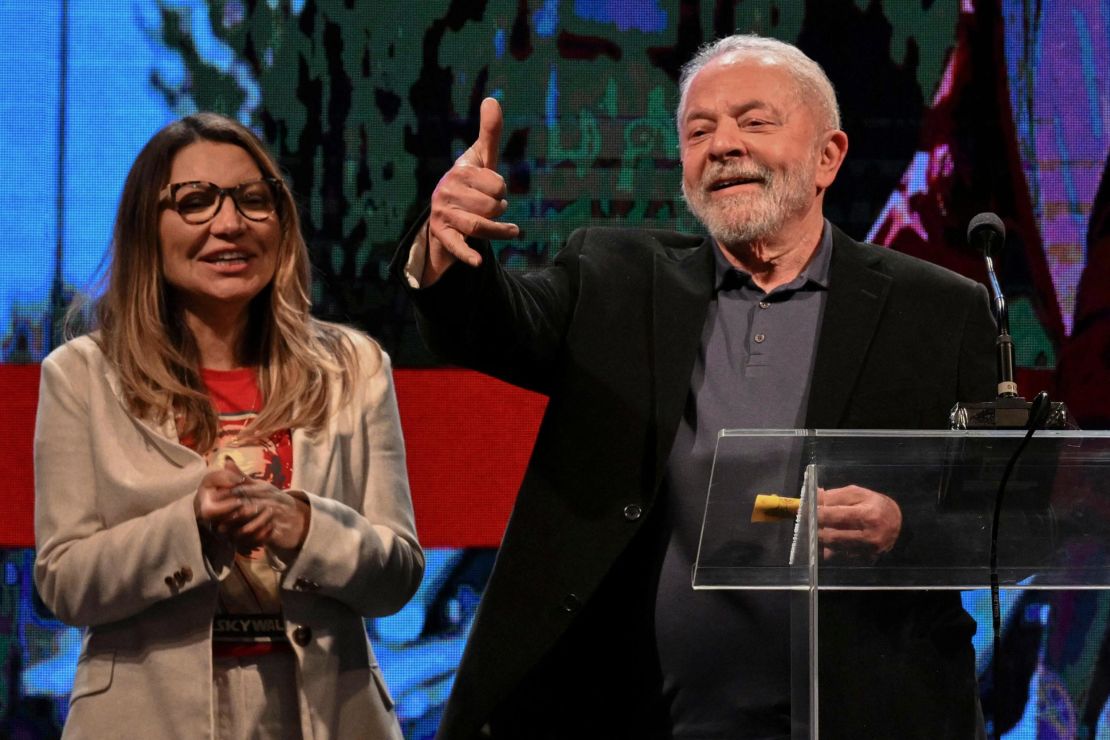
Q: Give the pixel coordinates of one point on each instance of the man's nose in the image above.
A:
(728, 141)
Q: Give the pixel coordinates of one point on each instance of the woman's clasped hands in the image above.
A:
(251, 513)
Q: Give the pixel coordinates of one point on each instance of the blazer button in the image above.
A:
(571, 603)
(632, 512)
(170, 581)
(186, 573)
(179, 577)
(302, 635)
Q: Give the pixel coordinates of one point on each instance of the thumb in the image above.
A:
(231, 467)
(489, 133)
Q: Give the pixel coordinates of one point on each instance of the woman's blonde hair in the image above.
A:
(143, 335)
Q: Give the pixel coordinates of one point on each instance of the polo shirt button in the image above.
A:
(170, 582)
(764, 304)
(632, 512)
(759, 338)
(571, 603)
(302, 635)
(186, 573)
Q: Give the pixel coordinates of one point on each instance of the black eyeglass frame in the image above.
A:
(169, 194)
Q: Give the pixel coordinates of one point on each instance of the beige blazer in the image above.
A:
(119, 552)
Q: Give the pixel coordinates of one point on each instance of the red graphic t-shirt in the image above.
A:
(248, 618)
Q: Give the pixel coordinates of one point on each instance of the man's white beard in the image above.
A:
(742, 218)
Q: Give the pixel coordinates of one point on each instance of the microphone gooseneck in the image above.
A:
(987, 234)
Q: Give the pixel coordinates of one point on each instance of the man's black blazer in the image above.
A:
(562, 645)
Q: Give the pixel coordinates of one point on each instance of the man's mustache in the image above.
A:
(720, 174)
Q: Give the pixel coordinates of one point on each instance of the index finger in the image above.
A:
(259, 489)
(844, 496)
(222, 478)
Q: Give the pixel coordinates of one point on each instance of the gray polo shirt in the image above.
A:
(722, 675)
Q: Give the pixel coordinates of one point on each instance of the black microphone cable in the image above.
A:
(1038, 414)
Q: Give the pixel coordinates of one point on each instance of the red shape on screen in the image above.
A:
(468, 439)
(17, 433)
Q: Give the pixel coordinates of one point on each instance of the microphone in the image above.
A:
(987, 235)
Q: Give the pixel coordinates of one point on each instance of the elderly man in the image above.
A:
(648, 343)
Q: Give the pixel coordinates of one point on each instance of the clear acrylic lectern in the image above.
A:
(758, 530)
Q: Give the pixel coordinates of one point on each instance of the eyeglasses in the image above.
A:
(198, 202)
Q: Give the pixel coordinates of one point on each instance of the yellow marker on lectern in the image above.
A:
(772, 508)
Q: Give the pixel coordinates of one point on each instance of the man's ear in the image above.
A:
(834, 147)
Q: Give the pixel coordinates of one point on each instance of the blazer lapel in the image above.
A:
(162, 435)
(682, 287)
(857, 294)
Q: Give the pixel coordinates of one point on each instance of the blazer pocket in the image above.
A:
(94, 675)
(383, 690)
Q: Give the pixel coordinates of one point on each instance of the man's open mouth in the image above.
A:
(734, 181)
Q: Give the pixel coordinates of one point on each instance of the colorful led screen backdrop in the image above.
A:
(952, 107)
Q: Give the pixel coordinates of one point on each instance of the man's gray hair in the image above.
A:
(813, 85)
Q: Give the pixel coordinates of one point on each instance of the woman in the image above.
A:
(220, 478)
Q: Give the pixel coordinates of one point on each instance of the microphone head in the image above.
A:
(986, 233)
